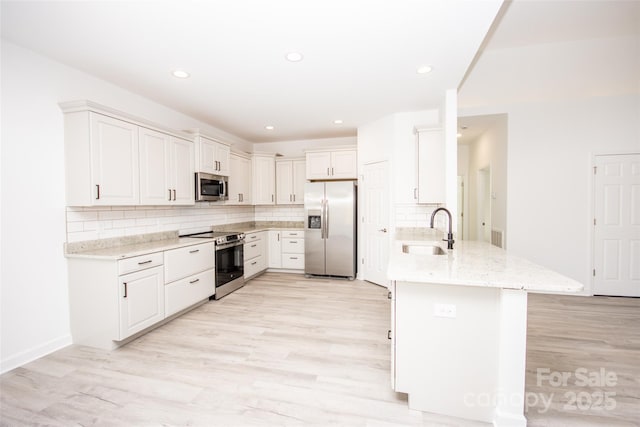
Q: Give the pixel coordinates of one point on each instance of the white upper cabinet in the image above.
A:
(101, 160)
(114, 159)
(166, 169)
(431, 170)
(239, 188)
(212, 156)
(290, 179)
(334, 164)
(264, 179)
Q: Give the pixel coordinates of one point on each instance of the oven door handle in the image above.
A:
(229, 245)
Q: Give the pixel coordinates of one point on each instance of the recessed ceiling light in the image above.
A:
(269, 127)
(459, 135)
(337, 122)
(180, 74)
(424, 69)
(294, 56)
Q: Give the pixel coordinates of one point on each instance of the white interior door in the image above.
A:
(617, 225)
(376, 222)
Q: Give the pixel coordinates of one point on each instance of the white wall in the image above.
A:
(34, 318)
(297, 148)
(549, 175)
(488, 150)
(565, 102)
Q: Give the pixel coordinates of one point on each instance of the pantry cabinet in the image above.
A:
(240, 178)
(166, 169)
(212, 156)
(335, 164)
(290, 180)
(264, 182)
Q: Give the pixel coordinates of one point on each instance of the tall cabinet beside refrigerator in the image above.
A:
(330, 229)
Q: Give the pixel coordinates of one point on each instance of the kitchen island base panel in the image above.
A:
(478, 334)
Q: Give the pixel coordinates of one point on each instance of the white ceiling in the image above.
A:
(360, 56)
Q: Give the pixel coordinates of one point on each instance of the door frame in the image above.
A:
(592, 194)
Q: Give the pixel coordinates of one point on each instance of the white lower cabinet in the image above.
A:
(189, 276)
(112, 300)
(255, 254)
(286, 249)
(141, 300)
(186, 292)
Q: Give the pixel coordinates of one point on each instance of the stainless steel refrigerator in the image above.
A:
(330, 229)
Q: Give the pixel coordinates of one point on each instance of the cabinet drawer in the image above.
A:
(254, 266)
(294, 261)
(253, 249)
(252, 237)
(184, 262)
(293, 233)
(186, 292)
(292, 246)
(138, 263)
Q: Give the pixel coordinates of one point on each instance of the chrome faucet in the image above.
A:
(449, 238)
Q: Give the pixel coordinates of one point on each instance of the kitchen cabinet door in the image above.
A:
(213, 156)
(275, 249)
(344, 165)
(431, 170)
(166, 169)
(319, 165)
(240, 176)
(141, 300)
(181, 171)
(337, 164)
(284, 182)
(114, 161)
(264, 179)
(155, 153)
(299, 179)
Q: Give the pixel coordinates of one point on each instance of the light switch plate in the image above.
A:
(444, 310)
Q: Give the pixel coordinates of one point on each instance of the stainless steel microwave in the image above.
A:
(211, 188)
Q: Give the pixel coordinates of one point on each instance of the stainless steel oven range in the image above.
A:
(229, 259)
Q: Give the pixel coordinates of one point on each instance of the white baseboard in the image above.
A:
(34, 353)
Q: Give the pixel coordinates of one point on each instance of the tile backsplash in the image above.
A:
(92, 223)
(280, 213)
(412, 216)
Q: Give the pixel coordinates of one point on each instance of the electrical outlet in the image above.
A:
(444, 310)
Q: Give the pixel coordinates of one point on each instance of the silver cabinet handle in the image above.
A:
(384, 230)
(389, 295)
(332, 172)
(415, 193)
(254, 262)
(293, 241)
(194, 281)
(294, 197)
(253, 246)
(169, 194)
(145, 262)
(328, 174)
(389, 334)
(194, 251)
(97, 191)
(125, 289)
(278, 234)
(293, 257)
(272, 197)
(174, 194)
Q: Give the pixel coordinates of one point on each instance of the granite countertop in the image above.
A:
(471, 263)
(130, 246)
(136, 249)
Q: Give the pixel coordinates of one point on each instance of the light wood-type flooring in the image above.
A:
(285, 350)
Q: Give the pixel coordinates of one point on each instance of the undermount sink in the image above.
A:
(423, 250)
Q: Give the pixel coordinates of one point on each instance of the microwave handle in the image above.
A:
(222, 189)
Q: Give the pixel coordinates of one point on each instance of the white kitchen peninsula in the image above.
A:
(459, 327)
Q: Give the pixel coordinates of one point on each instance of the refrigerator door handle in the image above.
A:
(326, 219)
